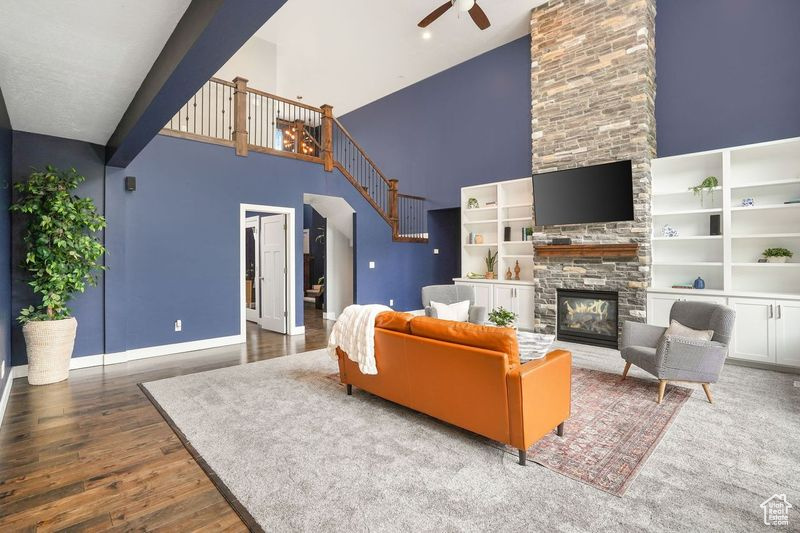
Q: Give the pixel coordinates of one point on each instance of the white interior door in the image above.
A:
(251, 268)
(273, 273)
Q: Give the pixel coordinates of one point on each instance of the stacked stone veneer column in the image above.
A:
(593, 101)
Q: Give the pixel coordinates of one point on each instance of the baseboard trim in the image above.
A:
(297, 330)
(5, 394)
(87, 361)
(328, 316)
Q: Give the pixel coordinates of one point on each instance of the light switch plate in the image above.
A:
(391, 303)
(178, 325)
(372, 264)
(2, 369)
(435, 251)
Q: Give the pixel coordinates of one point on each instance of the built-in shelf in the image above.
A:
(477, 222)
(689, 212)
(485, 244)
(766, 236)
(517, 205)
(770, 183)
(480, 209)
(766, 206)
(687, 263)
(587, 250)
(517, 242)
(770, 265)
(518, 219)
(684, 191)
(688, 238)
(518, 256)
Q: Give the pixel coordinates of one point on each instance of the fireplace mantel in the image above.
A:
(587, 250)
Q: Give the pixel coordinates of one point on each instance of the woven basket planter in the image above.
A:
(49, 345)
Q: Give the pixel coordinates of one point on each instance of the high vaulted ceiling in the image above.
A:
(348, 53)
(70, 68)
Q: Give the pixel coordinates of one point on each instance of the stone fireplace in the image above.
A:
(593, 101)
(588, 316)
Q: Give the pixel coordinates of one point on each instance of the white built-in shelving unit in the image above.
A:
(766, 296)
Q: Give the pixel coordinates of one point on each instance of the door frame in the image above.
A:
(291, 328)
(254, 222)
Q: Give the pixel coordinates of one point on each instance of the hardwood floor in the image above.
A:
(92, 453)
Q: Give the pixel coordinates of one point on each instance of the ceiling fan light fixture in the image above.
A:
(464, 5)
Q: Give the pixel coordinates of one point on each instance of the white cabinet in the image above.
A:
(754, 330)
(517, 299)
(483, 293)
(767, 331)
(660, 305)
(787, 332)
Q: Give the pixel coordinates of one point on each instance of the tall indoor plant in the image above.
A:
(62, 256)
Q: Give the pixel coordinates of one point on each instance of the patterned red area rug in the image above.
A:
(614, 427)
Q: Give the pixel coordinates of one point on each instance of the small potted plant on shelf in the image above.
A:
(472, 203)
(491, 261)
(707, 185)
(62, 254)
(777, 255)
(502, 318)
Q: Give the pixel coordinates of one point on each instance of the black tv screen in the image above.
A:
(599, 193)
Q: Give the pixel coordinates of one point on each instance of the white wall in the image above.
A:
(338, 272)
(257, 61)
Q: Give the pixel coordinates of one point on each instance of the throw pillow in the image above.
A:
(458, 311)
(677, 329)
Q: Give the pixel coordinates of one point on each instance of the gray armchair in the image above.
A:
(450, 294)
(672, 358)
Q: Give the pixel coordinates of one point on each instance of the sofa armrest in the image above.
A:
(539, 396)
(477, 314)
(640, 334)
(690, 359)
(431, 312)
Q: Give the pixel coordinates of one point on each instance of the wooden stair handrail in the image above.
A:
(284, 100)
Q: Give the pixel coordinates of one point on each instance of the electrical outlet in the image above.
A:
(435, 251)
(178, 325)
(2, 369)
(391, 303)
(372, 264)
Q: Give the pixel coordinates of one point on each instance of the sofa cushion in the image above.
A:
(394, 321)
(487, 337)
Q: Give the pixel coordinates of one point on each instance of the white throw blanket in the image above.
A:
(354, 333)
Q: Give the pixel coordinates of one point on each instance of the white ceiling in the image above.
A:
(70, 68)
(349, 53)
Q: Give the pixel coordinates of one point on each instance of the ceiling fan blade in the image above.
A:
(479, 17)
(435, 14)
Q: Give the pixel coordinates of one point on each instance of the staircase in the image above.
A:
(248, 120)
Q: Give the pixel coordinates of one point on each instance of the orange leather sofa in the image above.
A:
(467, 375)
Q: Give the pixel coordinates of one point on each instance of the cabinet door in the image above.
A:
(483, 295)
(503, 297)
(524, 307)
(658, 308)
(787, 332)
(754, 330)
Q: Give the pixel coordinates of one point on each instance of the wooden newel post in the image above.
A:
(240, 116)
(327, 137)
(393, 216)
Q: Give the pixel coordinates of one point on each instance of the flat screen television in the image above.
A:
(599, 193)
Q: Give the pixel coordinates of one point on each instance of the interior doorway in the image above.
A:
(267, 268)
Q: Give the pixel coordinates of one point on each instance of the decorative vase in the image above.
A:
(699, 283)
(49, 345)
(517, 270)
(669, 231)
(748, 202)
(478, 239)
(508, 273)
(781, 259)
(489, 275)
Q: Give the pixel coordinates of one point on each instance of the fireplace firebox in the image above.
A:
(588, 317)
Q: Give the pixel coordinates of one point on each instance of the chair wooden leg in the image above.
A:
(560, 430)
(707, 388)
(349, 390)
(523, 457)
(662, 384)
(625, 372)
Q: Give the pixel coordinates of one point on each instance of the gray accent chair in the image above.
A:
(450, 294)
(672, 358)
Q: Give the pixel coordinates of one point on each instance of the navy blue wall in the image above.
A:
(466, 125)
(174, 242)
(5, 241)
(728, 73)
(32, 150)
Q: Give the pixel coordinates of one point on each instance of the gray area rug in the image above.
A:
(300, 455)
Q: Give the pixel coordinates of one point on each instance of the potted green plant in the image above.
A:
(777, 255)
(61, 259)
(491, 261)
(707, 185)
(472, 203)
(503, 318)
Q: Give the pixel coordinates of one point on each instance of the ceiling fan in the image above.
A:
(464, 6)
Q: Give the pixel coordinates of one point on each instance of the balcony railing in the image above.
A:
(233, 114)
